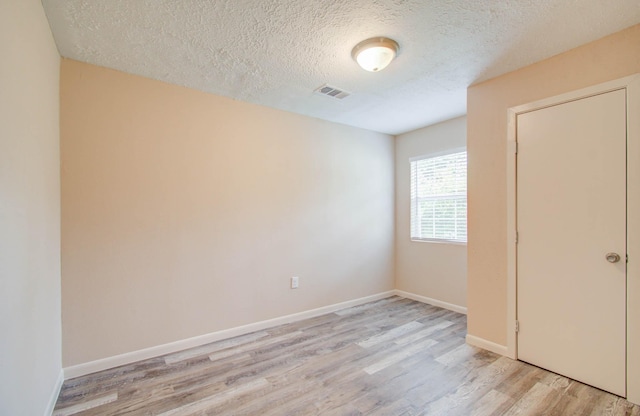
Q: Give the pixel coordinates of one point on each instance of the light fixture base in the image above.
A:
(375, 54)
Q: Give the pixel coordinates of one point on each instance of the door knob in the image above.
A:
(613, 257)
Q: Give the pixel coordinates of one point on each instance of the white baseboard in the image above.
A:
(54, 394)
(131, 357)
(488, 345)
(430, 301)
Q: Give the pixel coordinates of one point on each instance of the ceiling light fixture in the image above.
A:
(375, 54)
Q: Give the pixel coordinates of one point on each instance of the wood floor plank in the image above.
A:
(490, 403)
(86, 405)
(532, 402)
(389, 357)
(423, 333)
(209, 349)
(210, 402)
(477, 383)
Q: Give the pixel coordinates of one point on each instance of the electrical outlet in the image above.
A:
(294, 282)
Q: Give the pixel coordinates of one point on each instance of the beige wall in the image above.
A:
(433, 270)
(185, 213)
(29, 210)
(610, 58)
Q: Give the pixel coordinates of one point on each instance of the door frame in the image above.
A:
(632, 86)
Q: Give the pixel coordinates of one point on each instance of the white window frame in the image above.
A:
(413, 201)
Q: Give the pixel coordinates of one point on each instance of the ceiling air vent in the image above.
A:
(330, 91)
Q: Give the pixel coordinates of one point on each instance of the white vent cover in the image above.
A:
(330, 91)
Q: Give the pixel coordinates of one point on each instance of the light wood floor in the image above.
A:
(389, 357)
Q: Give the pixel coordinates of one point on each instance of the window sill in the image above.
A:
(450, 242)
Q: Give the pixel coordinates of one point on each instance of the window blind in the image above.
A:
(439, 198)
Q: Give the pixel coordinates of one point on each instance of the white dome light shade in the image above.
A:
(375, 54)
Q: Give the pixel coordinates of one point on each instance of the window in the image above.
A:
(439, 197)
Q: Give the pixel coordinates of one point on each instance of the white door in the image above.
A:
(571, 212)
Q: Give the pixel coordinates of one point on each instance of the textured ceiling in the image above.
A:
(277, 52)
